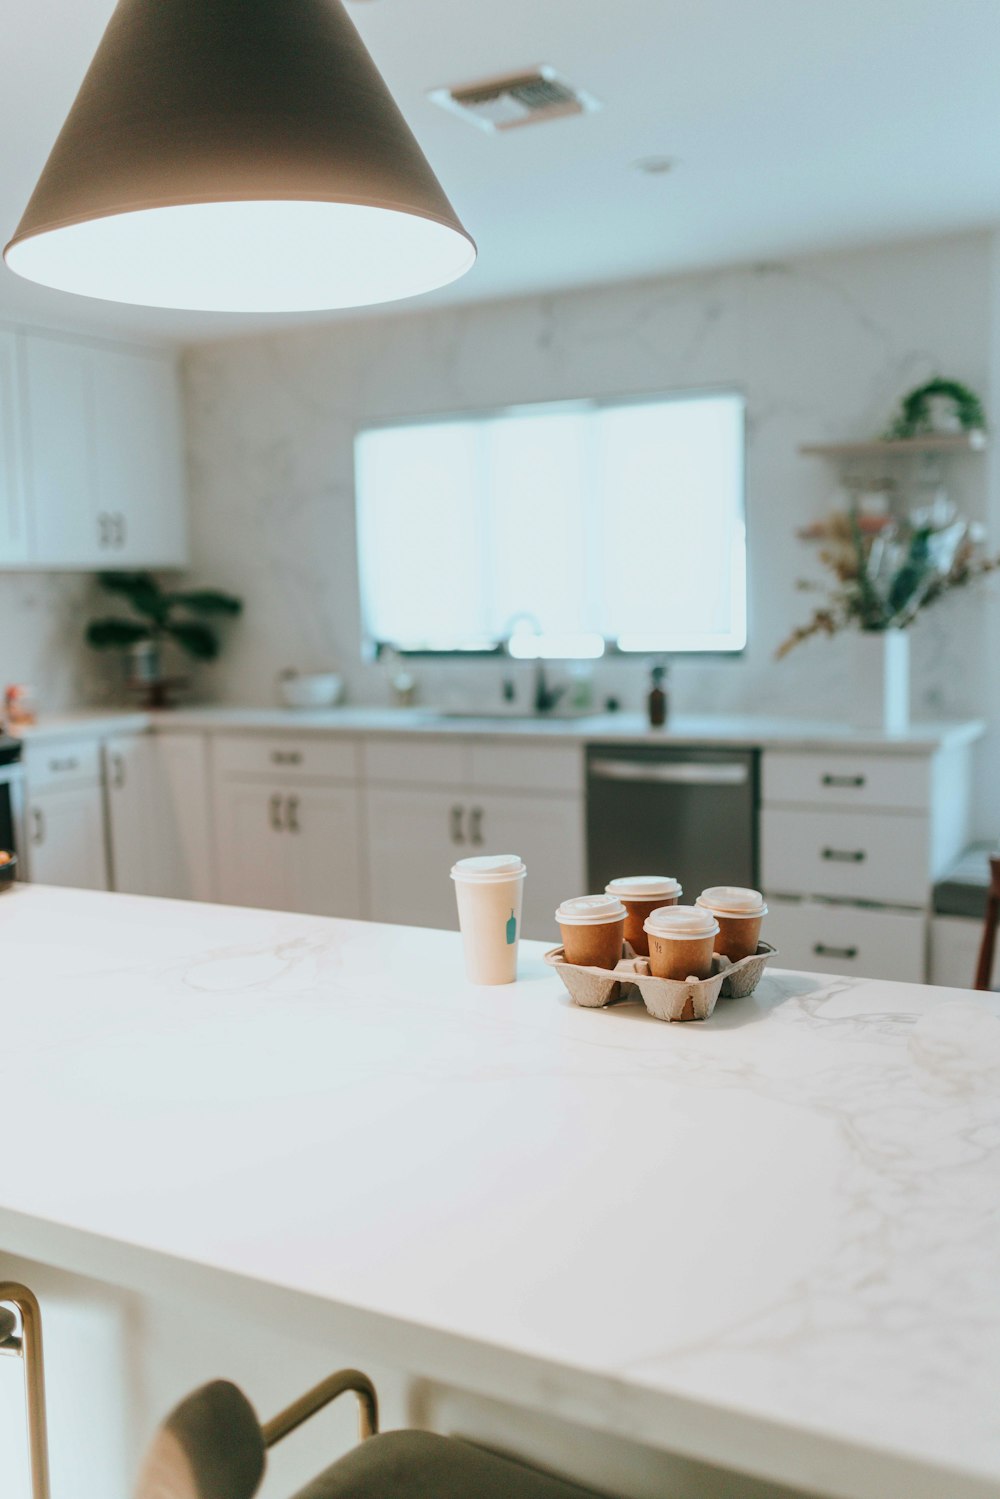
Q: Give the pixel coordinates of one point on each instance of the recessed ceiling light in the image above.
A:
(655, 166)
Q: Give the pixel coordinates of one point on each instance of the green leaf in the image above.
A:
(197, 639)
(116, 634)
(913, 574)
(206, 601)
(141, 590)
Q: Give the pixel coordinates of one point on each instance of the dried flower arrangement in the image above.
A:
(889, 569)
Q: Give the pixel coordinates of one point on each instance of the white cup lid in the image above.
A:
(485, 869)
(732, 900)
(590, 910)
(644, 887)
(680, 922)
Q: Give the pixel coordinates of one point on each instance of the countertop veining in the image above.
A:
(770, 1241)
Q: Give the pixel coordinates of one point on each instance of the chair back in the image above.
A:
(209, 1447)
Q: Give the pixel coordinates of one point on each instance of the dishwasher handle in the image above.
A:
(672, 772)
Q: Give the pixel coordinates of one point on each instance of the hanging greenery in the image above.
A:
(914, 417)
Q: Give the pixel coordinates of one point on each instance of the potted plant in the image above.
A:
(886, 571)
(178, 615)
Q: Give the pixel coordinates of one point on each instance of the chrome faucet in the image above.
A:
(545, 695)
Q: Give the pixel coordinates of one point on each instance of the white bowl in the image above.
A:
(320, 689)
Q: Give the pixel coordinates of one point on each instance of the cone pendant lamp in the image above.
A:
(237, 155)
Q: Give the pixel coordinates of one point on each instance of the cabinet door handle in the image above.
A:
(117, 771)
(286, 757)
(103, 529)
(38, 833)
(70, 763)
(292, 814)
(845, 855)
(476, 827)
(851, 782)
(120, 530)
(822, 951)
(275, 812)
(457, 836)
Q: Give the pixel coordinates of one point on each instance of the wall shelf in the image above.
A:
(900, 447)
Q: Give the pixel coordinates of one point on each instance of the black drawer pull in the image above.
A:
(844, 781)
(286, 757)
(69, 764)
(822, 951)
(845, 855)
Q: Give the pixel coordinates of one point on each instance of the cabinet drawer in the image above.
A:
(312, 757)
(417, 762)
(62, 762)
(900, 782)
(528, 767)
(879, 856)
(822, 938)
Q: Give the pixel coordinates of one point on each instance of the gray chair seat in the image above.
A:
(963, 889)
(212, 1446)
(420, 1465)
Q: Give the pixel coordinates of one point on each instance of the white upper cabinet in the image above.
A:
(13, 518)
(60, 461)
(102, 456)
(139, 458)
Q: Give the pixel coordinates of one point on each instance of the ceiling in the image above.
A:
(795, 125)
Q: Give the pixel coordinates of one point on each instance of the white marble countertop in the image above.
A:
(770, 1241)
(608, 728)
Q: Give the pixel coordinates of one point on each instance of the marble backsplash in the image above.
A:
(42, 621)
(821, 347)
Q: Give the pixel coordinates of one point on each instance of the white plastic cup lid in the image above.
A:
(644, 887)
(732, 900)
(590, 910)
(680, 922)
(488, 869)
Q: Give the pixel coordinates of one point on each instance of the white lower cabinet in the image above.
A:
(416, 834)
(548, 833)
(859, 941)
(159, 826)
(66, 837)
(288, 847)
(414, 837)
(848, 842)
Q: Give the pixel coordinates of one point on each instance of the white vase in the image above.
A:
(881, 692)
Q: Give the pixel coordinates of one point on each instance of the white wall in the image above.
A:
(822, 348)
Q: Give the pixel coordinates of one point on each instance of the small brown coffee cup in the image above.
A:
(641, 895)
(681, 942)
(739, 913)
(593, 930)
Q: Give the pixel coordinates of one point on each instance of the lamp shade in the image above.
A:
(237, 155)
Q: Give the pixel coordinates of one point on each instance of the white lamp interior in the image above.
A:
(272, 256)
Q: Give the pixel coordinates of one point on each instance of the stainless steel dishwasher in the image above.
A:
(691, 813)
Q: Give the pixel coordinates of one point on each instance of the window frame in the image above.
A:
(373, 649)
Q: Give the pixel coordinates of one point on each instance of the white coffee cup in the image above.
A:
(489, 889)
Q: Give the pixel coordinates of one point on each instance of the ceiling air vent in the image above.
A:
(527, 98)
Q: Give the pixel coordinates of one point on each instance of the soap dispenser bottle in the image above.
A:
(657, 700)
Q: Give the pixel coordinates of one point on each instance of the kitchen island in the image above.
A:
(767, 1243)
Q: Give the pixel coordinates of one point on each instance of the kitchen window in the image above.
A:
(576, 526)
